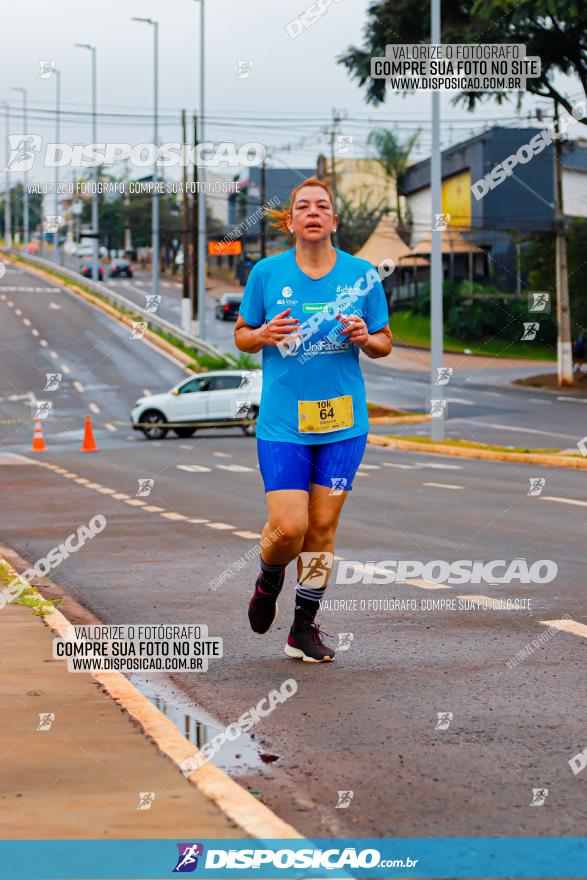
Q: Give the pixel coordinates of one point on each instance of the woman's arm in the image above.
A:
(253, 339)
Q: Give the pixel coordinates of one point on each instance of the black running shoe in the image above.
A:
(263, 609)
(305, 643)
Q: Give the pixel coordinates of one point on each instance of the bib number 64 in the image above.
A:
(325, 409)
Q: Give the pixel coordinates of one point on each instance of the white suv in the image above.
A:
(205, 400)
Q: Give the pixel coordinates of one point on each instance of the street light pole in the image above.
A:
(7, 206)
(155, 201)
(95, 199)
(26, 174)
(57, 121)
(202, 239)
(436, 279)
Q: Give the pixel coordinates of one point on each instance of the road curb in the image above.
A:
(177, 354)
(237, 804)
(398, 420)
(487, 454)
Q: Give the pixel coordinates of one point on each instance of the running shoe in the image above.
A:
(263, 609)
(305, 643)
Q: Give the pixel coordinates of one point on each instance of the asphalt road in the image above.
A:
(368, 723)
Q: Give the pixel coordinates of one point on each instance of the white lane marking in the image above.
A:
(97, 486)
(10, 303)
(81, 480)
(15, 458)
(444, 485)
(426, 585)
(514, 428)
(359, 474)
(174, 516)
(220, 526)
(18, 312)
(94, 408)
(53, 305)
(538, 400)
(166, 284)
(26, 322)
(64, 367)
(573, 399)
(152, 508)
(35, 332)
(198, 521)
(110, 427)
(403, 467)
(460, 400)
(44, 343)
(3, 297)
(193, 468)
(248, 535)
(135, 502)
(187, 448)
(78, 385)
(240, 468)
(370, 467)
(146, 392)
(120, 496)
(564, 500)
(54, 355)
(222, 454)
(572, 626)
(106, 491)
(443, 467)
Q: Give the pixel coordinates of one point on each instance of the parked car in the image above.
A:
(87, 269)
(218, 399)
(121, 267)
(228, 305)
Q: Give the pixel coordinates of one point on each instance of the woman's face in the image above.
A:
(312, 216)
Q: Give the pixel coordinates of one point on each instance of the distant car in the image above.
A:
(87, 270)
(219, 399)
(121, 267)
(228, 305)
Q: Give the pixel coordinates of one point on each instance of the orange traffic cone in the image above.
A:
(38, 439)
(89, 444)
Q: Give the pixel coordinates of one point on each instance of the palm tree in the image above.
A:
(394, 158)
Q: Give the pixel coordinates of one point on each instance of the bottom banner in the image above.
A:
(552, 857)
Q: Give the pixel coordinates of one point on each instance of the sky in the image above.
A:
(286, 103)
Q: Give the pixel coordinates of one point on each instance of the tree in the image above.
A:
(357, 222)
(394, 158)
(538, 260)
(554, 30)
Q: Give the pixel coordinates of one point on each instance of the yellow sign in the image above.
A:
(320, 416)
(456, 199)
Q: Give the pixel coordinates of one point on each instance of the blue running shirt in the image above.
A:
(322, 364)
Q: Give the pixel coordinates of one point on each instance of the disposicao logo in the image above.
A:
(187, 860)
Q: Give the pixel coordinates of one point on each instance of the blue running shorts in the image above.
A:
(287, 465)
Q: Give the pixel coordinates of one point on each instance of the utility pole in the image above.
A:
(186, 306)
(127, 229)
(262, 225)
(437, 409)
(202, 242)
(7, 200)
(57, 127)
(563, 313)
(26, 173)
(195, 229)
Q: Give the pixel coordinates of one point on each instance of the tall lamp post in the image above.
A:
(155, 202)
(26, 174)
(7, 206)
(202, 238)
(95, 201)
(436, 285)
(57, 135)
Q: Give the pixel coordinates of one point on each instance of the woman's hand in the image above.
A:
(355, 329)
(278, 328)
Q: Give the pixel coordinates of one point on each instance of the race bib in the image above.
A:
(320, 416)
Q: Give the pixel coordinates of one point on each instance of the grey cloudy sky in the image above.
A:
(288, 98)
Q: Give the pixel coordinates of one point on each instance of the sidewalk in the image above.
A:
(81, 778)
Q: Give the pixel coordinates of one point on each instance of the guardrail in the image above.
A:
(117, 299)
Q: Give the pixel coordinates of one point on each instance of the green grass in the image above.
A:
(468, 444)
(29, 596)
(415, 330)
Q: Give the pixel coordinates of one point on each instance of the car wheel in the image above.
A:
(185, 432)
(251, 430)
(153, 425)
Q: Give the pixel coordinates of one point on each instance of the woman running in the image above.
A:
(311, 309)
